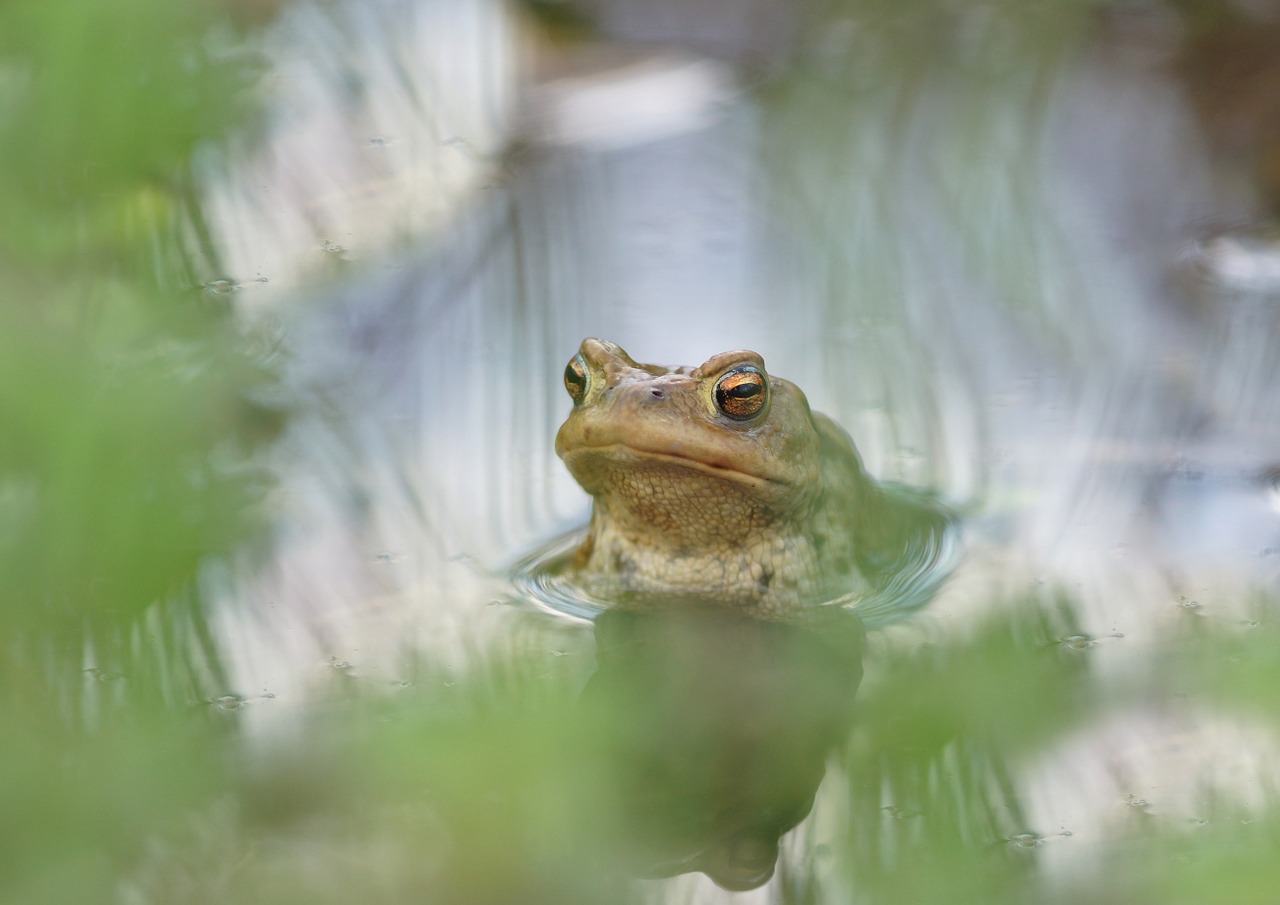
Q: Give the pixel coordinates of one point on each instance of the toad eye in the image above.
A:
(741, 394)
(575, 379)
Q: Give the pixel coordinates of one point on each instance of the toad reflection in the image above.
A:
(715, 728)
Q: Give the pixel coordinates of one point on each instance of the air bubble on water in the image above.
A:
(220, 287)
(1135, 802)
(1033, 840)
(339, 664)
(228, 702)
(1187, 603)
(1186, 469)
(898, 813)
(1076, 642)
(1025, 840)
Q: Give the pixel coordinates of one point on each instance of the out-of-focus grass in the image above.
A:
(122, 394)
(445, 791)
(511, 785)
(125, 429)
(102, 105)
(942, 733)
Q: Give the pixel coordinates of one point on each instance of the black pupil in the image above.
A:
(743, 391)
(571, 375)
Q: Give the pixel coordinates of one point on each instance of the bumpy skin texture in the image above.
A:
(758, 512)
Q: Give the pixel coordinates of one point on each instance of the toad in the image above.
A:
(717, 484)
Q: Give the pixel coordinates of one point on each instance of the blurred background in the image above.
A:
(288, 287)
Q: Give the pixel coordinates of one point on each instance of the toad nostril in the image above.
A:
(657, 393)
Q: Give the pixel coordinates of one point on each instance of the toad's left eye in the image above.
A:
(741, 394)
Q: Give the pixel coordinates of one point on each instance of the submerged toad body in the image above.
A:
(715, 483)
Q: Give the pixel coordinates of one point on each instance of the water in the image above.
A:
(1003, 247)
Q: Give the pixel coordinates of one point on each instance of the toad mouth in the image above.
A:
(678, 459)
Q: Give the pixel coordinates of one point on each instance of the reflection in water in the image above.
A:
(717, 728)
(379, 119)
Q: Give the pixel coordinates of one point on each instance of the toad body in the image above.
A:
(716, 484)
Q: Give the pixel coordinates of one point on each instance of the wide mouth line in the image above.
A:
(721, 471)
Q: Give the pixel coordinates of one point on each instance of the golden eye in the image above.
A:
(741, 394)
(575, 379)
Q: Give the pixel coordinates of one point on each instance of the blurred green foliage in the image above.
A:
(512, 784)
(123, 394)
(103, 104)
(126, 430)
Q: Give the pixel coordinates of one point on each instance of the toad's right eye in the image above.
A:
(575, 379)
(743, 393)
